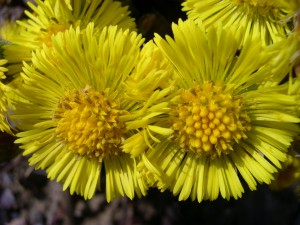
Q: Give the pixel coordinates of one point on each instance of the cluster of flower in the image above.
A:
(202, 114)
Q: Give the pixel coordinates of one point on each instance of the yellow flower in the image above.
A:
(74, 123)
(9, 30)
(291, 4)
(256, 18)
(225, 122)
(286, 58)
(286, 63)
(2, 69)
(289, 174)
(4, 124)
(149, 84)
(49, 17)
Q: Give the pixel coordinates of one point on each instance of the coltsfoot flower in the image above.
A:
(151, 83)
(74, 123)
(292, 4)
(264, 19)
(287, 62)
(225, 123)
(2, 68)
(9, 30)
(49, 17)
(289, 174)
(4, 124)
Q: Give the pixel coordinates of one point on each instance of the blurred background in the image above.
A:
(27, 197)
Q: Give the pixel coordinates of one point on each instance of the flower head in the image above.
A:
(150, 84)
(289, 174)
(74, 123)
(292, 4)
(2, 68)
(49, 17)
(256, 18)
(287, 62)
(4, 125)
(225, 122)
(9, 30)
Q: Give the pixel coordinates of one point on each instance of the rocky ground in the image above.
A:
(28, 198)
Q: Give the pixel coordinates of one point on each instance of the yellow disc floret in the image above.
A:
(88, 122)
(209, 120)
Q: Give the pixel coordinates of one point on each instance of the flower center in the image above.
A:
(88, 122)
(209, 120)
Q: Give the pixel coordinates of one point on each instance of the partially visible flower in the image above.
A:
(225, 122)
(287, 63)
(289, 174)
(49, 17)
(149, 84)
(286, 60)
(2, 68)
(9, 30)
(295, 63)
(4, 124)
(263, 19)
(75, 121)
(291, 4)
